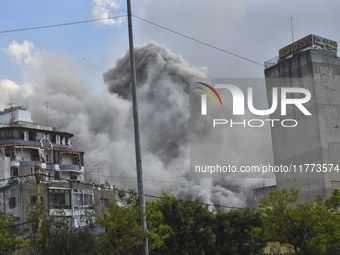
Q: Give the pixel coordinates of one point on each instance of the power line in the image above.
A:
(60, 25)
(199, 41)
(145, 20)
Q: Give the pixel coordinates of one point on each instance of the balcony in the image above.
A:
(70, 168)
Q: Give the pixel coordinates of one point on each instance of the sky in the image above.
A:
(252, 29)
(74, 67)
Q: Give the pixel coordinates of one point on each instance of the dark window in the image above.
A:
(53, 139)
(14, 172)
(12, 202)
(22, 135)
(82, 159)
(104, 202)
(32, 135)
(56, 175)
(35, 155)
(56, 157)
(2, 134)
(73, 177)
(75, 159)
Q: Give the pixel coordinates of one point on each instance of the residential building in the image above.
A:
(27, 147)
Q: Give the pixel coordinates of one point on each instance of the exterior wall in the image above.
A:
(15, 116)
(316, 138)
(259, 193)
(25, 197)
(5, 163)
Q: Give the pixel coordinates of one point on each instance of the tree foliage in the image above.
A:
(233, 232)
(308, 228)
(58, 236)
(196, 230)
(122, 223)
(8, 240)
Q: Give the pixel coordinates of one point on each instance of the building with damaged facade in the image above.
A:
(25, 145)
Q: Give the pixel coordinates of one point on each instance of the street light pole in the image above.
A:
(136, 130)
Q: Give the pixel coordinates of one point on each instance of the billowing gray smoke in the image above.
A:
(102, 121)
(163, 80)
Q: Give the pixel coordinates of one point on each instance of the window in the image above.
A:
(56, 157)
(2, 134)
(12, 202)
(32, 135)
(82, 198)
(73, 177)
(75, 159)
(16, 134)
(35, 155)
(14, 172)
(60, 198)
(335, 185)
(104, 202)
(53, 138)
(56, 175)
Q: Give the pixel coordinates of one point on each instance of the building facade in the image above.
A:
(312, 147)
(27, 147)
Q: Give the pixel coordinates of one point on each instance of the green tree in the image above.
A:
(58, 236)
(8, 240)
(308, 228)
(196, 230)
(233, 232)
(123, 233)
(190, 223)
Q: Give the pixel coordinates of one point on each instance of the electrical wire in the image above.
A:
(60, 25)
(199, 41)
(142, 19)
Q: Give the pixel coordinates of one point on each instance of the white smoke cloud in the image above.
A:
(102, 119)
(104, 9)
(21, 53)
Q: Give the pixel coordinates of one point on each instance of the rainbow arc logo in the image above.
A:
(204, 97)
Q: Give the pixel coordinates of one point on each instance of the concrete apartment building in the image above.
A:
(313, 146)
(22, 144)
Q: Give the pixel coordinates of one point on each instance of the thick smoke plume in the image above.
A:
(102, 120)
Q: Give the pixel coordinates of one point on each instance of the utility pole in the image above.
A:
(38, 202)
(136, 129)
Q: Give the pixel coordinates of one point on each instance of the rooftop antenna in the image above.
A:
(11, 103)
(46, 103)
(291, 27)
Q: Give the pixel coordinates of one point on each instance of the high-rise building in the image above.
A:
(311, 149)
